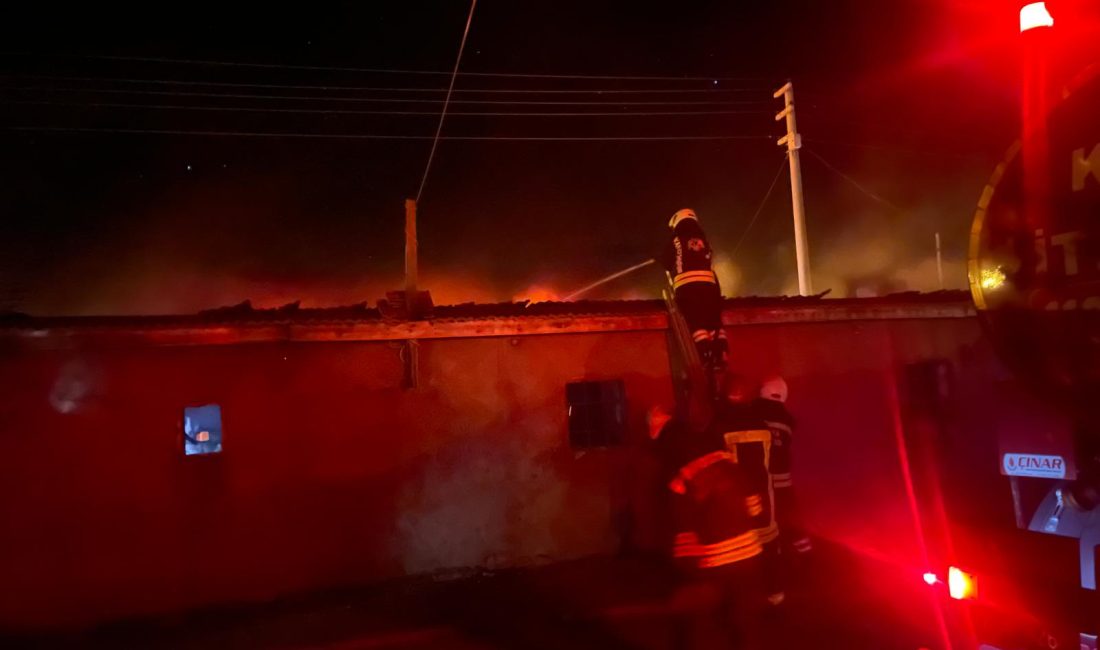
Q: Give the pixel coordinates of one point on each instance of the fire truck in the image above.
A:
(1016, 568)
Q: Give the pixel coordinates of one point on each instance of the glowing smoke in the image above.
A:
(538, 292)
(872, 260)
(729, 274)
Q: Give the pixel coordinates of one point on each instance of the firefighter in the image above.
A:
(771, 404)
(715, 545)
(749, 441)
(687, 260)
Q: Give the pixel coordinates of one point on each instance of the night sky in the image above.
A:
(905, 107)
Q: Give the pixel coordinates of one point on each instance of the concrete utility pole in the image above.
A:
(794, 142)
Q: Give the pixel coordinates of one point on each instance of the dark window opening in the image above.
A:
(930, 386)
(597, 413)
(202, 429)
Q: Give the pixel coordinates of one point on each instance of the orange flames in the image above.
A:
(537, 293)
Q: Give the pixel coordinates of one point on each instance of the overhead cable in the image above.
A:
(396, 71)
(760, 207)
(330, 87)
(446, 101)
(853, 181)
(351, 111)
(387, 100)
(381, 136)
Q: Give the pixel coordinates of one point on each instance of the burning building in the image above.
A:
(157, 464)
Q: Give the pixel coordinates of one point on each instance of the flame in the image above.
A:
(538, 293)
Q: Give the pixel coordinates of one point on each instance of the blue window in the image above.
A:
(202, 429)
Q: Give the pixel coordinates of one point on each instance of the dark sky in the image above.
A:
(913, 100)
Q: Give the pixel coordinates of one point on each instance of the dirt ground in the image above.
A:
(607, 603)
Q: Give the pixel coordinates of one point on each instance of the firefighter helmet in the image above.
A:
(775, 389)
(680, 215)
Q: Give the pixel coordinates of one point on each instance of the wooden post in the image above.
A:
(411, 270)
(410, 354)
(939, 261)
(411, 351)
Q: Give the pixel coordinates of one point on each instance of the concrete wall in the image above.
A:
(848, 395)
(333, 474)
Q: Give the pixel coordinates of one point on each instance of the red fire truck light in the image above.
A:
(1035, 15)
(961, 585)
(931, 578)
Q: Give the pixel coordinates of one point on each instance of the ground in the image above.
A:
(606, 603)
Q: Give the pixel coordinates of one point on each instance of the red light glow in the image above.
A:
(1035, 15)
(961, 585)
(931, 578)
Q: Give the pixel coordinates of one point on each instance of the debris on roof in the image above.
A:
(245, 312)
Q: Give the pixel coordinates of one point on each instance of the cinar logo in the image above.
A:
(1034, 465)
(1051, 464)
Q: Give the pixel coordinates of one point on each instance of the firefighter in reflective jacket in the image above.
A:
(771, 405)
(714, 513)
(749, 441)
(687, 260)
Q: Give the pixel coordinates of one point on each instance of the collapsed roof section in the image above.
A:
(243, 323)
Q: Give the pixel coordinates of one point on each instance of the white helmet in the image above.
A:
(775, 389)
(680, 215)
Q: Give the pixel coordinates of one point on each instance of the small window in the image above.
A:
(597, 413)
(202, 429)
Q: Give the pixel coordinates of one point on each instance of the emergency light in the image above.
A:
(1035, 15)
(961, 585)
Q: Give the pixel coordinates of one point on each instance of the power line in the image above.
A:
(760, 208)
(854, 182)
(338, 111)
(389, 100)
(379, 136)
(283, 66)
(879, 147)
(530, 91)
(447, 101)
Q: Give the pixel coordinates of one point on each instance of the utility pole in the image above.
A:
(794, 142)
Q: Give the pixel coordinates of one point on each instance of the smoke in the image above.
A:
(870, 256)
(456, 515)
(258, 238)
(729, 274)
(922, 276)
(876, 259)
(180, 290)
(221, 242)
(879, 236)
